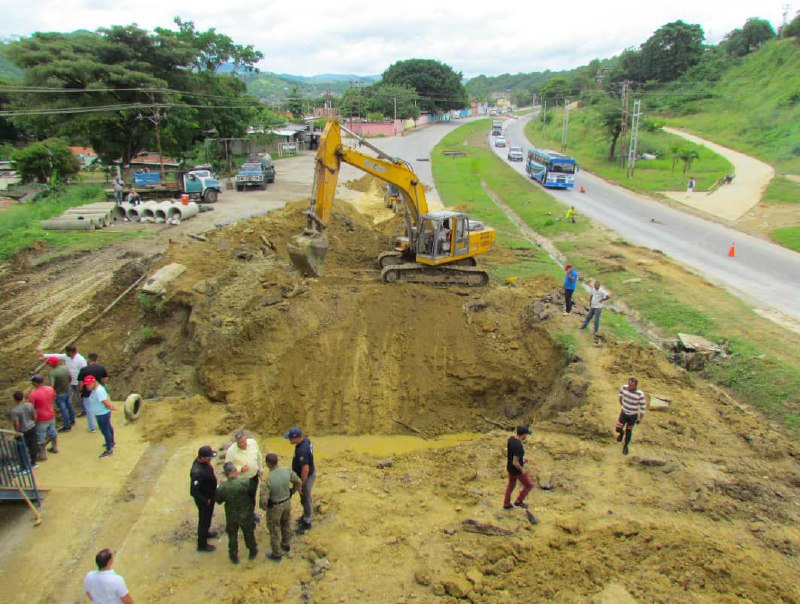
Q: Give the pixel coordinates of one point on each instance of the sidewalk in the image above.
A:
(734, 200)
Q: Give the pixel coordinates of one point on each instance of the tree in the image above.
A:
(753, 34)
(792, 29)
(670, 51)
(121, 78)
(611, 119)
(47, 161)
(556, 89)
(352, 103)
(386, 97)
(294, 104)
(438, 86)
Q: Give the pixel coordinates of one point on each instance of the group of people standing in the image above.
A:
(244, 473)
(597, 297)
(70, 376)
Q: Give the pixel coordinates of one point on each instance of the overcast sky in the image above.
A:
(363, 38)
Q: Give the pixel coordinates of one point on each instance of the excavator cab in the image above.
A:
(442, 237)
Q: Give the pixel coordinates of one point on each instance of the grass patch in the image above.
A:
(788, 237)
(589, 145)
(781, 190)
(19, 224)
(567, 344)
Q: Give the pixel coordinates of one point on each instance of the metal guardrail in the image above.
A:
(15, 469)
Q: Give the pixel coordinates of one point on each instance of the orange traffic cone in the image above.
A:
(732, 251)
(582, 189)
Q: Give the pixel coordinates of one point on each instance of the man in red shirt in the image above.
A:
(42, 398)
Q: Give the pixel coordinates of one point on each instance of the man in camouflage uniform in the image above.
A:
(239, 509)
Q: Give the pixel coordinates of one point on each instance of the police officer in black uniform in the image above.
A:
(203, 488)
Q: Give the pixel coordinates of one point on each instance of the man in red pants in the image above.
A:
(516, 469)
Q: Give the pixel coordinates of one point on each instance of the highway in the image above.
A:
(763, 274)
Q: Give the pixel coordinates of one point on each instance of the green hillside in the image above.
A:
(755, 108)
(8, 71)
(275, 88)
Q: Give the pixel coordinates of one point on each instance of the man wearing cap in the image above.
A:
(99, 373)
(203, 489)
(570, 283)
(235, 494)
(246, 456)
(42, 398)
(516, 469)
(276, 500)
(100, 406)
(303, 466)
(75, 362)
(59, 380)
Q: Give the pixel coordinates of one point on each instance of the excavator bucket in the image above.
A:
(307, 253)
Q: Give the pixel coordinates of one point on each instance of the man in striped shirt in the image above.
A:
(632, 401)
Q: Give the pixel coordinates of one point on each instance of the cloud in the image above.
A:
(353, 37)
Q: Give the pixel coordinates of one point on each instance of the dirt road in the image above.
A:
(734, 200)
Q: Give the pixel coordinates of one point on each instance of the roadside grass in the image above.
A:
(19, 224)
(781, 190)
(788, 237)
(764, 366)
(589, 145)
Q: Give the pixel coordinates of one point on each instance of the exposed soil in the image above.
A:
(705, 509)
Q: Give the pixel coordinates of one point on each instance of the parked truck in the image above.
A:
(257, 171)
(198, 183)
(497, 127)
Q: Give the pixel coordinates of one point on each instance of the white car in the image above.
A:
(500, 141)
(515, 154)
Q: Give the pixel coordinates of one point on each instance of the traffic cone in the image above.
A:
(582, 189)
(732, 251)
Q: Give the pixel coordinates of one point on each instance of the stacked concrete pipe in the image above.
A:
(69, 224)
(147, 211)
(180, 212)
(102, 218)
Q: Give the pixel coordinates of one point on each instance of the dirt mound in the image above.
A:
(345, 353)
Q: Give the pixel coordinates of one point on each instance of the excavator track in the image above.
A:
(397, 258)
(442, 275)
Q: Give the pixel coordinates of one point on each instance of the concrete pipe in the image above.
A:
(103, 218)
(160, 211)
(147, 211)
(121, 211)
(182, 212)
(68, 225)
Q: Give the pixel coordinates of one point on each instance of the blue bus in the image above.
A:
(551, 169)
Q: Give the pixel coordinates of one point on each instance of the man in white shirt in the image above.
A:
(105, 586)
(246, 456)
(598, 297)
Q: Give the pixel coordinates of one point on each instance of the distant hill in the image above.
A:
(275, 88)
(8, 71)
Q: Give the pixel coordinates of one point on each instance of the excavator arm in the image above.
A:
(308, 251)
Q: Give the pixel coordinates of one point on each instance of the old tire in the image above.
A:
(211, 196)
(133, 407)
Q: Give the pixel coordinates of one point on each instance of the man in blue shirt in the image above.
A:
(570, 283)
(303, 466)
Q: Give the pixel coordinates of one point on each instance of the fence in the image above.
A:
(15, 469)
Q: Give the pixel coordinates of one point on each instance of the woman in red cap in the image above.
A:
(100, 405)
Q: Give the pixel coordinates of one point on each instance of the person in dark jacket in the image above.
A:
(203, 490)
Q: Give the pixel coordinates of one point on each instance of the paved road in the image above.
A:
(762, 273)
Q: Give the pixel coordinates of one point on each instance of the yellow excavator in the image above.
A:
(438, 248)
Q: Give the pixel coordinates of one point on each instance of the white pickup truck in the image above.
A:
(515, 154)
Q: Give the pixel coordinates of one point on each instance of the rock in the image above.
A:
(646, 461)
(438, 589)
(386, 463)
(456, 586)
(423, 577)
(658, 404)
(633, 280)
(504, 566)
(320, 567)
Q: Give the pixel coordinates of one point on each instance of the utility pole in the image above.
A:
(155, 118)
(623, 133)
(635, 119)
(395, 116)
(565, 127)
(544, 114)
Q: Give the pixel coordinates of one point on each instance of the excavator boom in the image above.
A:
(308, 250)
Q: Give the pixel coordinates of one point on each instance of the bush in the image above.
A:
(47, 161)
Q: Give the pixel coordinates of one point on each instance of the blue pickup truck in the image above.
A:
(256, 172)
(199, 184)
